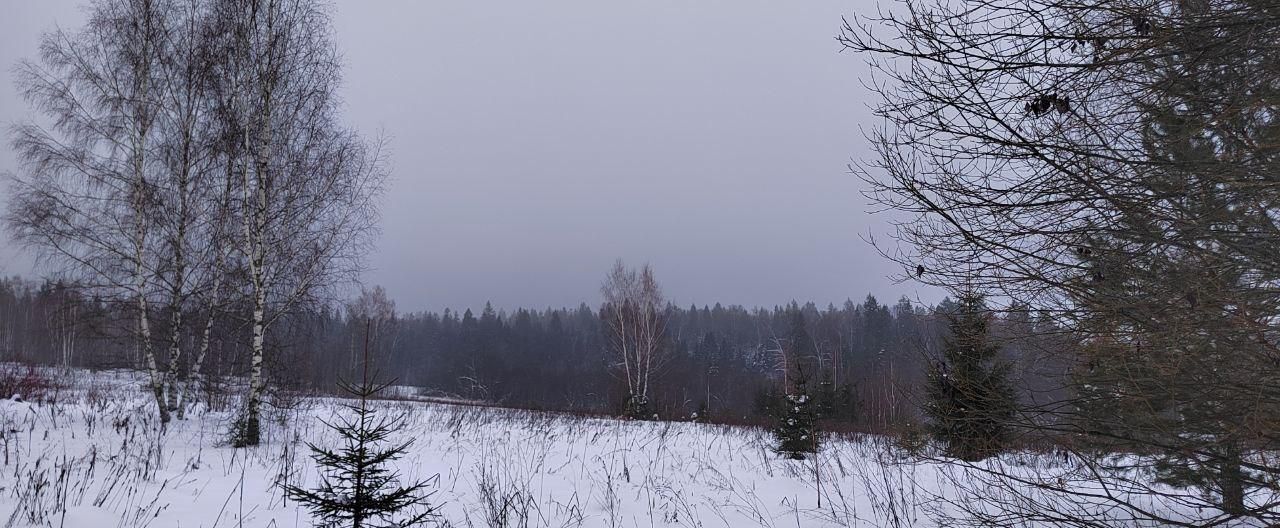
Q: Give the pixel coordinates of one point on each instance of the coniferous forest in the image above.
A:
(724, 364)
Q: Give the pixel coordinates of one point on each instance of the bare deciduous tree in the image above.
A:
(304, 185)
(376, 312)
(193, 153)
(191, 194)
(88, 195)
(1111, 165)
(634, 312)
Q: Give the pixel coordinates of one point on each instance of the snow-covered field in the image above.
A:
(96, 458)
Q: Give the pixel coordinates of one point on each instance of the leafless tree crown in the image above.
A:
(1112, 165)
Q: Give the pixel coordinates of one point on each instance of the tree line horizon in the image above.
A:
(722, 363)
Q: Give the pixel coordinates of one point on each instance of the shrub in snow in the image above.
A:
(244, 431)
(637, 408)
(25, 383)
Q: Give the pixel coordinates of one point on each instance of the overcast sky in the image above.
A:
(535, 142)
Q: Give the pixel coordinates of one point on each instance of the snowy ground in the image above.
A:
(96, 459)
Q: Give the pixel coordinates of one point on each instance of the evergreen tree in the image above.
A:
(835, 402)
(1176, 376)
(969, 399)
(1179, 295)
(358, 488)
(797, 429)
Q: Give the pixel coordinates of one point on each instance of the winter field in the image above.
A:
(94, 457)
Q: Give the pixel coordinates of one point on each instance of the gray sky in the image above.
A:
(535, 142)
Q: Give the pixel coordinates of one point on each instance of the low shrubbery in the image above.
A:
(26, 382)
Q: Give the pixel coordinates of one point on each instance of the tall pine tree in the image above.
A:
(1180, 294)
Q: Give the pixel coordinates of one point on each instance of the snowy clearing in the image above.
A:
(95, 458)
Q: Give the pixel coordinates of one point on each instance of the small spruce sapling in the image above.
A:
(797, 430)
(358, 486)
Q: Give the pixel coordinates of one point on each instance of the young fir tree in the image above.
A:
(797, 428)
(358, 488)
(969, 400)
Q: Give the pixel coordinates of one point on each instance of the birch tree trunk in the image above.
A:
(195, 375)
(176, 295)
(142, 120)
(154, 375)
(253, 402)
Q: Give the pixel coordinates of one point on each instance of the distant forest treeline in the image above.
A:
(723, 362)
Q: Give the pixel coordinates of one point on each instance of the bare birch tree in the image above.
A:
(304, 185)
(87, 195)
(193, 154)
(377, 312)
(191, 192)
(634, 313)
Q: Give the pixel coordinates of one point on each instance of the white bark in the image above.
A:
(303, 184)
(636, 324)
(143, 106)
(154, 375)
(86, 195)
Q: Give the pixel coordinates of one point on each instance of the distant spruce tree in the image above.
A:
(969, 400)
(769, 401)
(836, 403)
(358, 487)
(797, 429)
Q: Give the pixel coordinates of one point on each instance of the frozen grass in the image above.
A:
(96, 457)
